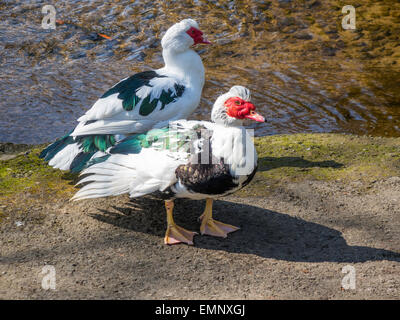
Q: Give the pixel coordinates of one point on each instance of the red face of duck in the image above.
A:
(242, 109)
(197, 36)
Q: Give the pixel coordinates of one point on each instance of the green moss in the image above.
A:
(327, 157)
(28, 173)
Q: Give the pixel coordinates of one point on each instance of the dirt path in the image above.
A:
(293, 243)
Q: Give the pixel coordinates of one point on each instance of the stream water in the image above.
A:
(48, 78)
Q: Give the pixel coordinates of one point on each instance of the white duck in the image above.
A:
(188, 159)
(137, 103)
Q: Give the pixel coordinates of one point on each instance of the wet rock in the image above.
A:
(365, 49)
(284, 2)
(303, 36)
(331, 31)
(340, 44)
(377, 36)
(289, 30)
(361, 44)
(264, 5)
(329, 51)
(367, 55)
(78, 55)
(287, 21)
(313, 4)
(11, 148)
(358, 36)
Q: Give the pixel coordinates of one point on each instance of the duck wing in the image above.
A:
(142, 163)
(134, 105)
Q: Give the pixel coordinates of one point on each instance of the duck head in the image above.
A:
(233, 107)
(182, 35)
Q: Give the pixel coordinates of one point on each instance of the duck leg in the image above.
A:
(176, 234)
(212, 227)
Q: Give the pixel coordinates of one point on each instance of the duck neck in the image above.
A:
(234, 144)
(186, 64)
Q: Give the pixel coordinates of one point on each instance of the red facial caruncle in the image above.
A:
(242, 109)
(197, 36)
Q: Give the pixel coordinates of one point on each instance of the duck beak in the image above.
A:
(255, 116)
(204, 41)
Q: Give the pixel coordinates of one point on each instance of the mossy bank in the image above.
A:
(327, 157)
(282, 159)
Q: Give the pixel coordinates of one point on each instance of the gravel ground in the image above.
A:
(293, 244)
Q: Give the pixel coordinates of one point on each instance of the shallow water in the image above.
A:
(301, 79)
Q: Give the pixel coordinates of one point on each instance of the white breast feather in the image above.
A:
(239, 153)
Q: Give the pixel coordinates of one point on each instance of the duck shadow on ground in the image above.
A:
(265, 233)
(268, 163)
